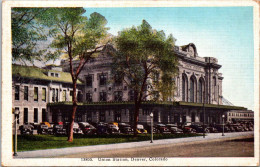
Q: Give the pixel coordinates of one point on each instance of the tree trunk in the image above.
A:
(74, 108)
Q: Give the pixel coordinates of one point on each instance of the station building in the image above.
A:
(44, 94)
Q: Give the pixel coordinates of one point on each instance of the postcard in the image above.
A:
(130, 83)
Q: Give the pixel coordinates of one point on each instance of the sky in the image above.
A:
(225, 33)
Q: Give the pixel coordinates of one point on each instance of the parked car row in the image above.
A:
(124, 128)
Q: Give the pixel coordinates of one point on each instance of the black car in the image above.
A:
(212, 129)
(125, 128)
(112, 129)
(199, 128)
(26, 129)
(42, 129)
(161, 128)
(87, 128)
(102, 129)
(174, 129)
(59, 129)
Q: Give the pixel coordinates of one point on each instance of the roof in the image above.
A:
(39, 73)
(216, 106)
(157, 103)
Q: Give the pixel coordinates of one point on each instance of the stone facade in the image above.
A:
(197, 83)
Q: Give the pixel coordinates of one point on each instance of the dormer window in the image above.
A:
(54, 74)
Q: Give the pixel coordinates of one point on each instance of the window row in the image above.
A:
(240, 114)
(103, 79)
(25, 115)
(55, 94)
(26, 93)
(118, 96)
(191, 92)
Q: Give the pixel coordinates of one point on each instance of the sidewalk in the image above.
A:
(50, 153)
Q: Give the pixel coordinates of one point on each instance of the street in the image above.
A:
(236, 144)
(233, 148)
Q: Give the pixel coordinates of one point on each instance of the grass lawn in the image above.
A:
(40, 142)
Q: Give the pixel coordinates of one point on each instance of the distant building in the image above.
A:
(105, 100)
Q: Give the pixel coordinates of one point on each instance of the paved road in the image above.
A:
(63, 152)
(233, 148)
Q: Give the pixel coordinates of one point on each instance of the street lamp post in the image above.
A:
(223, 116)
(151, 115)
(16, 113)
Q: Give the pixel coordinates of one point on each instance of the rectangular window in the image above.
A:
(118, 96)
(79, 96)
(57, 95)
(71, 93)
(26, 93)
(35, 94)
(53, 95)
(89, 81)
(35, 115)
(64, 95)
(43, 94)
(102, 96)
(25, 115)
(131, 95)
(102, 79)
(56, 75)
(44, 119)
(89, 116)
(118, 80)
(88, 97)
(17, 92)
(102, 117)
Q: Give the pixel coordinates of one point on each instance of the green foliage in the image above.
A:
(28, 34)
(39, 142)
(75, 34)
(143, 52)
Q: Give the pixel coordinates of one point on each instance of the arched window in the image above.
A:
(200, 91)
(191, 90)
(214, 91)
(184, 88)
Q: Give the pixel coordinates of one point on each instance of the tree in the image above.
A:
(28, 34)
(146, 59)
(78, 37)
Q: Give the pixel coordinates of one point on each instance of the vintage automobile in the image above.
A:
(102, 128)
(59, 129)
(43, 129)
(161, 128)
(212, 129)
(77, 129)
(87, 128)
(140, 129)
(174, 129)
(113, 129)
(26, 129)
(238, 128)
(188, 129)
(125, 128)
(199, 128)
